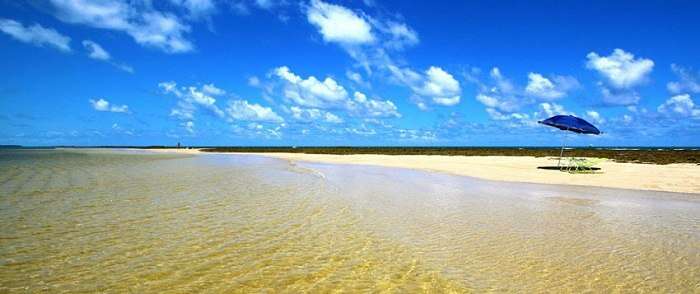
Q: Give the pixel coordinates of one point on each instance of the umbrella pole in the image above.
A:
(561, 153)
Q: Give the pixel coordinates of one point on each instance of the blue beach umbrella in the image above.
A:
(570, 123)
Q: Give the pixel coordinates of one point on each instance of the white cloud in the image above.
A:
(257, 130)
(197, 8)
(416, 135)
(441, 86)
(401, 35)
(311, 92)
(104, 105)
(545, 89)
(362, 130)
(621, 69)
(497, 115)
(394, 35)
(339, 24)
(619, 97)
(147, 26)
(245, 111)
(189, 126)
(436, 83)
(313, 115)
(212, 90)
(35, 34)
(265, 4)
(627, 118)
(681, 105)
(505, 97)
(546, 110)
(502, 95)
(688, 81)
(96, 51)
(254, 81)
(375, 108)
(117, 128)
(190, 98)
(124, 67)
(357, 78)
(595, 117)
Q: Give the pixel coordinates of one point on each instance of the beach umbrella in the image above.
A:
(572, 124)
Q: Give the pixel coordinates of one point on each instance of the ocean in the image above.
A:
(133, 221)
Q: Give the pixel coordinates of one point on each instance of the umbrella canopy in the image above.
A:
(571, 123)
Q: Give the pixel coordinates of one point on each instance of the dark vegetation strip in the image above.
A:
(654, 155)
(665, 156)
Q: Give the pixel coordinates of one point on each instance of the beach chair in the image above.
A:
(583, 165)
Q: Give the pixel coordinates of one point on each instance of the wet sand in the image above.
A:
(682, 178)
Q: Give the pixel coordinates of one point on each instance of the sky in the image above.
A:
(350, 73)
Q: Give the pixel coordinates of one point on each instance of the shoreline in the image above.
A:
(679, 178)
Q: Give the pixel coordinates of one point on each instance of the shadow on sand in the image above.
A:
(564, 168)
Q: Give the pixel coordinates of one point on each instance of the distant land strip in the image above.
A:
(650, 155)
(634, 155)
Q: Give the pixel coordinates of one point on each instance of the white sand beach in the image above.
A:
(682, 178)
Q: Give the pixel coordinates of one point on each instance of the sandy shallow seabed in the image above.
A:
(682, 178)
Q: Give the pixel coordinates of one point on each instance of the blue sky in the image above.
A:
(264, 72)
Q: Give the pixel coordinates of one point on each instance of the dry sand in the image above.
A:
(684, 178)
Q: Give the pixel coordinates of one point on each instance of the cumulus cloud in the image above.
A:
(595, 117)
(622, 72)
(212, 90)
(680, 105)
(497, 115)
(197, 8)
(120, 130)
(104, 105)
(35, 34)
(357, 78)
(519, 119)
(147, 26)
(311, 92)
(503, 97)
(362, 130)
(366, 39)
(546, 110)
(191, 98)
(95, 51)
(339, 24)
(543, 88)
(401, 35)
(688, 82)
(394, 35)
(373, 107)
(621, 69)
(437, 84)
(314, 115)
(188, 126)
(441, 86)
(245, 111)
(254, 81)
(416, 135)
(619, 97)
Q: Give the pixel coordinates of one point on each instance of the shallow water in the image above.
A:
(125, 221)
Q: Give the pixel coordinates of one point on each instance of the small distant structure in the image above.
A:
(178, 145)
